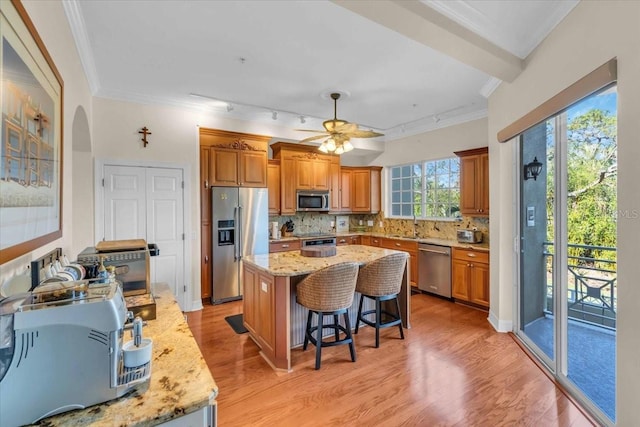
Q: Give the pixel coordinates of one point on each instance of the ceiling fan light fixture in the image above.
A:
(347, 146)
(331, 125)
(331, 144)
(323, 148)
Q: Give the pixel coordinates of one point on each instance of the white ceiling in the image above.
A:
(404, 67)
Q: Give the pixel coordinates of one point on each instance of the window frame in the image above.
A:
(423, 190)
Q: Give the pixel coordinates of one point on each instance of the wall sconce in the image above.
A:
(533, 169)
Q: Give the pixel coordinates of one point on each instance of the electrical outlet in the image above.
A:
(380, 224)
(370, 223)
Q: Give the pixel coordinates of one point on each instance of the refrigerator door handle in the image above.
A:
(236, 237)
(240, 237)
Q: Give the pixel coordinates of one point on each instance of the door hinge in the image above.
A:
(184, 288)
(103, 182)
(182, 236)
(183, 185)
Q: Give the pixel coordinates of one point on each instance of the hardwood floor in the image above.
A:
(452, 369)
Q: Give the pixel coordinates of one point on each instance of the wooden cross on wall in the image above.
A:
(144, 133)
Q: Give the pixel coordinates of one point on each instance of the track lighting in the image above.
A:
(274, 115)
(303, 120)
(229, 108)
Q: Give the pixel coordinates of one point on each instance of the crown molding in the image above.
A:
(491, 85)
(78, 29)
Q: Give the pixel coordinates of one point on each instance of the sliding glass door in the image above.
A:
(567, 284)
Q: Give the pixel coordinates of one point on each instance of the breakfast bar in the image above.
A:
(271, 315)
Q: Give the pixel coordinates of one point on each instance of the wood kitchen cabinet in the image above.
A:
(259, 307)
(273, 185)
(335, 192)
(226, 159)
(348, 240)
(474, 182)
(302, 167)
(205, 225)
(235, 159)
(284, 246)
(470, 276)
(363, 187)
(407, 246)
(313, 172)
(346, 180)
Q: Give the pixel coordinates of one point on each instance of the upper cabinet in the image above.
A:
(273, 185)
(474, 182)
(235, 159)
(302, 167)
(361, 189)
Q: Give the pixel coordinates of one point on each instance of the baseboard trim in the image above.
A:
(500, 325)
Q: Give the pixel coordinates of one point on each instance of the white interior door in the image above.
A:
(165, 226)
(124, 203)
(148, 203)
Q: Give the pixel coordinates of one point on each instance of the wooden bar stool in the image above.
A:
(380, 280)
(329, 292)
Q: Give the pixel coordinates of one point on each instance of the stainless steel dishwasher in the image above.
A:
(434, 269)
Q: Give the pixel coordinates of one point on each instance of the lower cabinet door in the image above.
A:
(266, 327)
(460, 279)
(479, 290)
(250, 284)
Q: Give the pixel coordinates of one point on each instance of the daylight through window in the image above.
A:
(426, 190)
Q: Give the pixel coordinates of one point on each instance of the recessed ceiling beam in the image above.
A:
(425, 25)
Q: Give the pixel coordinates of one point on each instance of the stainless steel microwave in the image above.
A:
(312, 201)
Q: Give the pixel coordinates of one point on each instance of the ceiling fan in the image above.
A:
(338, 132)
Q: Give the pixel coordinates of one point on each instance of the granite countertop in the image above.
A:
(181, 382)
(428, 240)
(293, 264)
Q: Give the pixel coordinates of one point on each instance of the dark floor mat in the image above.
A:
(235, 322)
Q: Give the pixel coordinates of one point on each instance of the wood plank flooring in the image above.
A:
(452, 369)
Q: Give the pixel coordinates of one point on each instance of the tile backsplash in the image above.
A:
(322, 223)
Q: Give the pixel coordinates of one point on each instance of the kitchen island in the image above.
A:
(181, 390)
(275, 321)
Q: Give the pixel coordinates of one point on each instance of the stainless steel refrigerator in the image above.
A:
(240, 227)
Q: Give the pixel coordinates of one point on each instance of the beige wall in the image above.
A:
(174, 140)
(433, 145)
(593, 33)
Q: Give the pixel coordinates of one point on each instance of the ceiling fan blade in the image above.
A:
(313, 138)
(311, 130)
(364, 134)
(346, 128)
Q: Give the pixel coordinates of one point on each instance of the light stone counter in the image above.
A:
(291, 263)
(181, 383)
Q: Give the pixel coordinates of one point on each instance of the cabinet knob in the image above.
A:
(343, 241)
(206, 183)
(397, 244)
(285, 246)
(206, 259)
(471, 255)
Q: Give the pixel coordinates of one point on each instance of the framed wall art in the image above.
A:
(31, 137)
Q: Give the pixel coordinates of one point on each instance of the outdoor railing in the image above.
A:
(592, 286)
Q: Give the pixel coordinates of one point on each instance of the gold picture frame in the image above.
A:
(31, 137)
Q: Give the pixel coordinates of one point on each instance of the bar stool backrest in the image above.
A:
(330, 288)
(382, 276)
